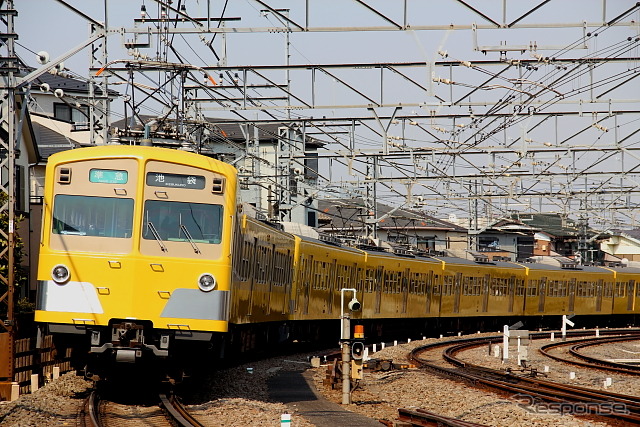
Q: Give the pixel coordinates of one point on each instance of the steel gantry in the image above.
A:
(509, 106)
(451, 106)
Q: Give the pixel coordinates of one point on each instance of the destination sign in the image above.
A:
(161, 179)
(108, 176)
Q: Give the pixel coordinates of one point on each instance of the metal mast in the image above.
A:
(7, 164)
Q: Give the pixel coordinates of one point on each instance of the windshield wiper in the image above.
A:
(152, 227)
(188, 236)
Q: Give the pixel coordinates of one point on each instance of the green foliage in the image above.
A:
(20, 273)
(25, 306)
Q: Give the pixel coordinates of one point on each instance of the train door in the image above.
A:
(405, 290)
(542, 292)
(333, 273)
(378, 284)
(255, 269)
(572, 294)
(287, 272)
(457, 284)
(485, 292)
(428, 290)
(512, 292)
(630, 294)
(599, 287)
(300, 279)
(271, 277)
(306, 283)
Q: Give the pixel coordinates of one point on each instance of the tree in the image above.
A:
(20, 273)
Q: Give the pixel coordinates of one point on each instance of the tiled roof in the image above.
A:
(551, 224)
(68, 84)
(345, 214)
(51, 142)
(633, 233)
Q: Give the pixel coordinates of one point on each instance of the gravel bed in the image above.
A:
(381, 394)
(57, 403)
(235, 398)
(239, 396)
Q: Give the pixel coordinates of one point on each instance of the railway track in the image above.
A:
(583, 360)
(102, 413)
(420, 417)
(534, 394)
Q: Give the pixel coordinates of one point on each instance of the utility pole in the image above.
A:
(7, 165)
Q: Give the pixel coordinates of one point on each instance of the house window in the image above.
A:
(311, 219)
(71, 114)
(488, 243)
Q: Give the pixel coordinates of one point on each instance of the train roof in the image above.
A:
(463, 261)
(580, 268)
(320, 242)
(162, 154)
(629, 270)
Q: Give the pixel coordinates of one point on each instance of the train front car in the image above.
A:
(135, 257)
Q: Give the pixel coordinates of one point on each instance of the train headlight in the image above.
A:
(206, 282)
(60, 273)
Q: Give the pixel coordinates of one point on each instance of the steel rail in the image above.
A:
(602, 363)
(90, 413)
(421, 417)
(543, 390)
(592, 363)
(177, 412)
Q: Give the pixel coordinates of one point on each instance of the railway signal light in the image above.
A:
(357, 350)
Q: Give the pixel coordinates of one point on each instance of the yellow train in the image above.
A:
(147, 255)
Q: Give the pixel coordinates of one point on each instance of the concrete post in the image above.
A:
(346, 360)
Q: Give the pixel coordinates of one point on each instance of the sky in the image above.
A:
(47, 25)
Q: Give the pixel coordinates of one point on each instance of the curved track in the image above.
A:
(100, 413)
(588, 361)
(566, 398)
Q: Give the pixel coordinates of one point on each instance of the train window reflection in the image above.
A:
(92, 216)
(182, 222)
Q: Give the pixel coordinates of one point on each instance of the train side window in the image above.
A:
(621, 289)
(248, 255)
(415, 283)
(360, 280)
(278, 269)
(493, 286)
(532, 290)
(435, 284)
(369, 280)
(342, 277)
(289, 267)
(608, 289)
(385, 282)
(448, 285)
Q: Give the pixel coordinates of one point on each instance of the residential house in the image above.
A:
(403, 227)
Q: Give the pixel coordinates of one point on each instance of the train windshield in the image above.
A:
(182, 222)
(92, 216)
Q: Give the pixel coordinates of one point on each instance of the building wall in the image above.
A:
(622, 247)
(542, 248)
